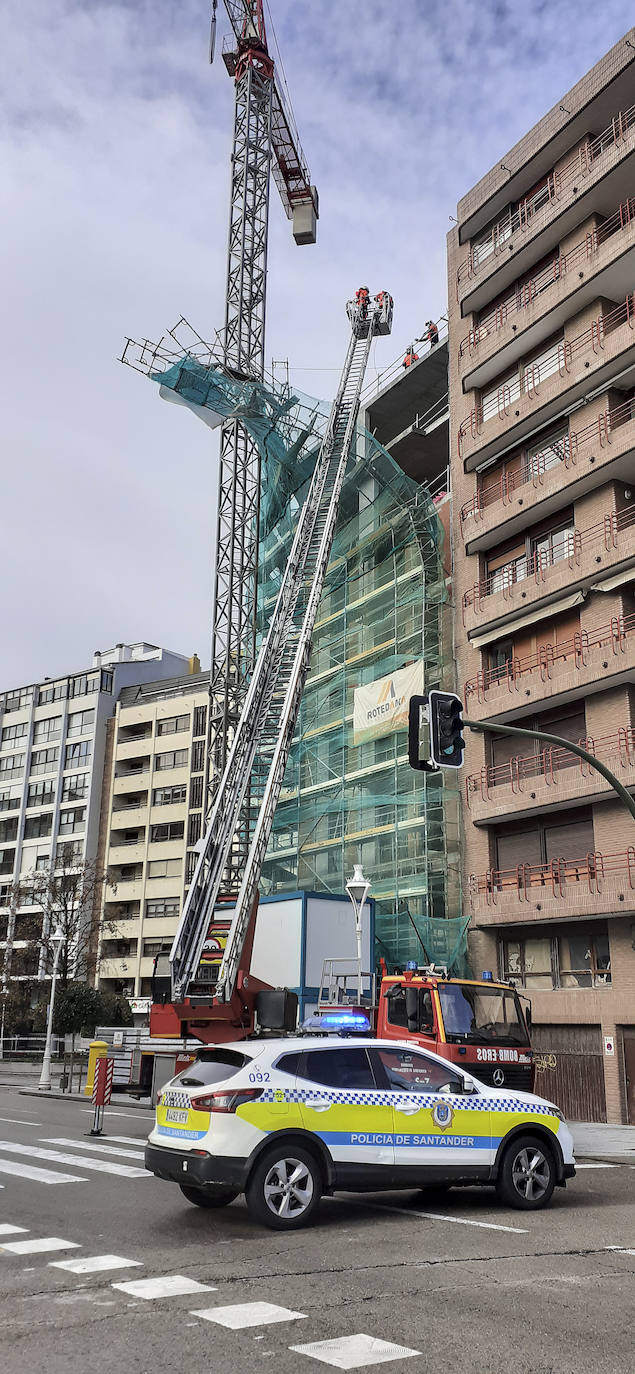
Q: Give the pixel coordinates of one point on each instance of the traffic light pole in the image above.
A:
(486, 726)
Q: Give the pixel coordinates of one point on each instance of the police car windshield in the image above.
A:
(481, 1013)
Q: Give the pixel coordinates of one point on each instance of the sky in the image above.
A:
(115, 137)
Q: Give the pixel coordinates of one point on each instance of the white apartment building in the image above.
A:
(52, 747)
(152, 818)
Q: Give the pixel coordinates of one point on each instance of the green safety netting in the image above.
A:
(384, 606)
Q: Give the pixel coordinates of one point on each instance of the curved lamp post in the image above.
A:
(358, 888)
(44, 1085)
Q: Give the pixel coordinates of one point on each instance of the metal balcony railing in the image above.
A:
(609, 533)
(562, 877)
(563, 453)
(522, 293)
(549, 658)
(557, 359)
(532, 212)
(619, 748)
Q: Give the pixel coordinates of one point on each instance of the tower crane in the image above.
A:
(265, 139)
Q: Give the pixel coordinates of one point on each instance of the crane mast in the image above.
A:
(260, 748)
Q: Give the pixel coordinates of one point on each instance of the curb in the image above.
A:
(606, 1159)
(81, 1097)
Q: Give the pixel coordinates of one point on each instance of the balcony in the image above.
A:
(554, 776)
(129, 749)
(552, 211)
(573, 557)
(573, 465)
(595, 885)
(127, 780)
(539, 390)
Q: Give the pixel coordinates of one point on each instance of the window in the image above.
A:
(396, 1007)
(194, 826)
(48, 729)
(84, 683)
(151, 948)
(9, 800)
(44, 760)
(75, 788)
(10, 764)
(77, 755)
(71, 820)
(172, 725)
(168, 796)
(191, 860)
(546, 452)
(106, 680)
(163, 908)
(552, 547)
(475, 1012)
(196, 793)
(15, 701)
(171, 830)
(8, 830)
(211, 1066)
(55, 691)
(7, 860)
(198, 755)
(200, 720)
(585, 960)
(13, 734)
(35, 826)
(173, 758)
(405, 1071)
(565, 836)
(69, 854)
(340, 1067)
(529, 963)
(41, 794)
(164, 868)
(79, 722)
(289, 1063)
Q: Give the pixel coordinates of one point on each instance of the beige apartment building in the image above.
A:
(152, 815)
(542, 417)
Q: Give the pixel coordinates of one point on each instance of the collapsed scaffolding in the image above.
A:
(384, 606)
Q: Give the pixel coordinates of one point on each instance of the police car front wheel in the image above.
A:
(527, 1174)
(285, 1188)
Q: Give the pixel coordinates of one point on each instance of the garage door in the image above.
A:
(570, 1069)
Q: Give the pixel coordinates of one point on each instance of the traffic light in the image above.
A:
(446, 726)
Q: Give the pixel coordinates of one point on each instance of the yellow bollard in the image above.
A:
(97, 1050)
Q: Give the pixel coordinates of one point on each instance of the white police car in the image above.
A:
(285, 1121)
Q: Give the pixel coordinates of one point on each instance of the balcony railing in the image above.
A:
(619, 748)
(560, 878)
(531, 213)
(557, 359)
(524, 293)
(563, 453)
(549, 657)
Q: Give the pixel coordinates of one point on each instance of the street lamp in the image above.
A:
(44, 1085)
(358, 888)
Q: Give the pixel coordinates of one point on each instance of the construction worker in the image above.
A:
(362, 297)
(431, 335)
(411, 357)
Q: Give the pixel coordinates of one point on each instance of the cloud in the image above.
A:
(114, 159)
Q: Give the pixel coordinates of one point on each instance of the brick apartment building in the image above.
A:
(542, 423)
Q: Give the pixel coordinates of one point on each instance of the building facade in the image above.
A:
(52, 750)
(152, 816)
(542, 414)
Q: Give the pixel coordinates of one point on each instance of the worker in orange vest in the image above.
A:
(362, 297)
(431, 335)
(411, 357)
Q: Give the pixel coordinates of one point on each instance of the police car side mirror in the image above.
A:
(469, 1086)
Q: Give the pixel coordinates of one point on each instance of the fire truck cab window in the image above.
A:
(397, 1014)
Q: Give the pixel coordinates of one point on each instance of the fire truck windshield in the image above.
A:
(481, 1013)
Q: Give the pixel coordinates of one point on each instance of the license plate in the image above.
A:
(179, 1117)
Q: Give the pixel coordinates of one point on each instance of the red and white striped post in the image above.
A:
(102, 1091)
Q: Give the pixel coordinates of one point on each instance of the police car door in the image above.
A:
(433, 1127)
(340, 1103)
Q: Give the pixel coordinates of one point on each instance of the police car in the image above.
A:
(284, 1121)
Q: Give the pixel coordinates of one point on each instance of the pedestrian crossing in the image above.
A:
(54, 1160)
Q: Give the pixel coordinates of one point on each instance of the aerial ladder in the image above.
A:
(262, 740)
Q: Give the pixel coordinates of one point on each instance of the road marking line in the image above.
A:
(98, 1148)
(7, 1230)
(168, 1286)
(438, 1216)
(17, 1121)
(11, 1166)
(80, 1161)
(596, 1166)
(95, 1264)
(241, 1314)
(127, 1139)
(132, 1116)
(39, 1247)
(351, 1352)
(621, 1249)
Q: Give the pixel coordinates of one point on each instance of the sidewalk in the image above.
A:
(118, 1099)
(593, 1140)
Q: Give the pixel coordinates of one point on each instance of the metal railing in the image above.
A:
(606, 533)
(562, 877)
(394, 370)
(524, 292)
(549, 658)
(620, 748)
(532, 212)
(564, 452)
(557, 359)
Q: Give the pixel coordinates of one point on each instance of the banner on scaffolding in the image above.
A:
(381, 707)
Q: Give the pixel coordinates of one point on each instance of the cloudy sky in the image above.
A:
(114, 145)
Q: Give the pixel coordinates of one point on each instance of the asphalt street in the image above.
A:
(416, 1280)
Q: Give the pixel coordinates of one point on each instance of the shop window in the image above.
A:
(585, 959)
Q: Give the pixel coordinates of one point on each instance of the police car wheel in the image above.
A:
(285, 1188)
(527, 1175)
(221, 1197)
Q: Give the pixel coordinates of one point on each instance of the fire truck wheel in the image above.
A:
(527, 1173)
(285, 1188)
(221, 1197)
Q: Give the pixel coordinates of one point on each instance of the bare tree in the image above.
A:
(65, 895)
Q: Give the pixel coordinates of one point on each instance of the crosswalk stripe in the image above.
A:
(127, 1139)
(12, 1166)
(165, 1286)
(80, 1161)
(42, 1246)
(94, 1264)
(86, 1145)
(7, 1230)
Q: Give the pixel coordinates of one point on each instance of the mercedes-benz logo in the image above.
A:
(498, 1078)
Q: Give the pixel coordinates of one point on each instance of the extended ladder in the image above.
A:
(260, 748)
